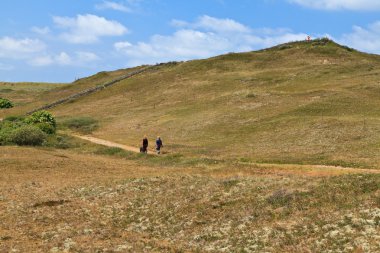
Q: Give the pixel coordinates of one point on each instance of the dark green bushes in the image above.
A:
(5, 103)
(31, 131)
(43, 119)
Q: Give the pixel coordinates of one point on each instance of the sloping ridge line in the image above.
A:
(90, 90)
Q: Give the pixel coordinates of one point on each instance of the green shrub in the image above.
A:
(46, 128)
(5, 103)
(5, 132)
(82, 124)
(41, 119)
(321, 42)
(6, 128)
(27, 136)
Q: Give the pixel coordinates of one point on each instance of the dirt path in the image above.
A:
(111, 144)
(316, 170)
(313, 169)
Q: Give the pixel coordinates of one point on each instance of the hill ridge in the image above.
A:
(90, 90)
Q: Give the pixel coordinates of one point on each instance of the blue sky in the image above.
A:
(61, 40)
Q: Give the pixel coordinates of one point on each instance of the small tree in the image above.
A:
(5, 103)
(41, 117)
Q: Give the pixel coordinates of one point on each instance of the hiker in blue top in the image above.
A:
(159, 145)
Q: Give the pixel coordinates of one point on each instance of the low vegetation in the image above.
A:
(27, 135)
(84, 125)
(103, 204)
(5, 103)
(44, 120)
(303, 102)
(30, 131)
(249, 140)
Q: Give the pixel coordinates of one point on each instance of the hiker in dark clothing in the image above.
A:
(159, 145)
(144, 148)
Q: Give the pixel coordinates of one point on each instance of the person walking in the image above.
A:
(159, 145)
(145, 145)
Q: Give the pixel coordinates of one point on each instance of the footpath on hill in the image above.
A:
(110, 143)
(317, 168)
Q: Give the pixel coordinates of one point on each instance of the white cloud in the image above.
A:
(80, 59)
(19, 48)
(40, 61)
(119, 46)
(184, 44)
(365, 39)
(113, 6)
(40, 30)
(85, 29)
(63, 59)
(220, 25)
(85, 57)
(213, 37)
(364, 5)
(213, 24)
(179, 23)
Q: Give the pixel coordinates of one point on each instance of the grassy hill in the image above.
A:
(229, 122)
(304, 102)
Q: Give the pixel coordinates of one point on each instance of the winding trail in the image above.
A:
(110, 144)
(314, 168)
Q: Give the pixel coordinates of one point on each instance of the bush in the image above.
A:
(4, 135)
(27, 136)
(82, 124)
(321, 41)
(5, 103)
(42, 119)
(46, 128)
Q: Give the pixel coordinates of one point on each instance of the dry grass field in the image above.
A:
(65, 201)
(270, 151)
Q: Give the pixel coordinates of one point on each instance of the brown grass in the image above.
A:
(55, 200)
(268, 151)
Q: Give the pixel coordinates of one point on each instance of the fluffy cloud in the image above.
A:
(213, 24)
(113, 6)
(85, 29)
(19, 48)
(340, 4)
(64, 59)
(41, 61)
(206, 37)
(40, 30)
(365, 39)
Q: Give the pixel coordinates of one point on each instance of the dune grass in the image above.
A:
(305, 103)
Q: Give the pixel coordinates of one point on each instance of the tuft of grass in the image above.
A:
(85, 125)
(13, 118)
(280, 198)
(60, 141)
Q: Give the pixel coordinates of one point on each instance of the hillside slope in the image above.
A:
(304, 102)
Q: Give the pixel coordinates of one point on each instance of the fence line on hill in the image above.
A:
(91, 90)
